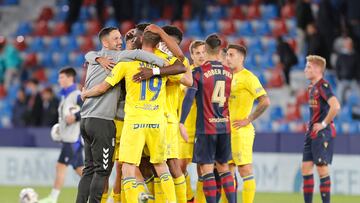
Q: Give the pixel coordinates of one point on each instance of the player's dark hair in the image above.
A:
(106, 31)
(173, 31)
(195, 44)
(240, 48)
(212, 44)
(68, 71)
(151, 39)
(142, 26)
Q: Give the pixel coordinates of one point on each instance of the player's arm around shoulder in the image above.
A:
(111, 80)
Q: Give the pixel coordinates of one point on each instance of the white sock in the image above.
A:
(55, 193)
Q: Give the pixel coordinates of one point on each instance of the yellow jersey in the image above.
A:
(190, 122)
(145, 101)
(245, 88)
(172, 88)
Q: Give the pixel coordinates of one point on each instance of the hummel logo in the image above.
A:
(105, 160)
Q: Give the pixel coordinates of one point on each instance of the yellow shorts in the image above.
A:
(242, 141)
(135, 136)
(119, 126)
(172, 142)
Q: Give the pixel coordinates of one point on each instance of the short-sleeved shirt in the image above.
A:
(319, 94)
(212, 80)
(245, 88)
(144, 100)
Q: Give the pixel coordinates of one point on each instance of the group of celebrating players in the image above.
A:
(154, 113)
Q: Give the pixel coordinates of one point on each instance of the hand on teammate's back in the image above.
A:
(105, 62)
(183, 132)
(143, 74)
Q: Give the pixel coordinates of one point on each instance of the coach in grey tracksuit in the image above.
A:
(97, 115)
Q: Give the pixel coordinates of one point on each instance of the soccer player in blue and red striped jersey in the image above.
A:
(319, 140)
(211, 88)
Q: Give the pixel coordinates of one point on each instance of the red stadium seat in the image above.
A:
(278, 28)
(46, 14)
(292, 112)
(302, 97)
(40, 75)
(186, 12)
(168, 12)
(89, 2)
(180, 25)
(185, 44)
(253, 11)
(2, 91)
(41, 28)
(87, 44)
(126, 26)
(93, 27)
(288, 11)
(30, 60)
(277, 79)
(236, 12)
(227, 27)
(241, 41)
(60, 29)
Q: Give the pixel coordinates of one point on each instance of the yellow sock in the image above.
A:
(223, 198)
(130, 190)
(158, 192)
(167, 185)
(116, 197)
(104, 197)
(189, 191)
(150, 185)
(180, 189)
(249, 189)
(200, 196)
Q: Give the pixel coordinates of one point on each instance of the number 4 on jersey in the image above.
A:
(218, 95)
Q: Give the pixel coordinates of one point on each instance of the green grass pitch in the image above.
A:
(9, 194)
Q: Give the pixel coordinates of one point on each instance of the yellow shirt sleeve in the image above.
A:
(255, 87)
(117, 74)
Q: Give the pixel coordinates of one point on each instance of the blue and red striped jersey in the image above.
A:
(212, 82)
(319, 108)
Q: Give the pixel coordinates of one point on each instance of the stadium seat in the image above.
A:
(345, 114)
(269, 11)
(79, 60)
(78, 29)
(62, 60)
(87, 44)
(93, 27)
(210, 27)
(292, 112)
(41, 28)
(227, 27)
(253, 11)
(46, 14)
(305, 112)
(60, 29)
(10, 2)
(261, 27)
(288, 10)
(236, 12)
(84, 14)
(126, 26)
(266, 61)
(55, 45)
(302, 96)
(180, 25)
(276, 79)
(24, 28)
(250, 61)
(254, 45)
(215, 12)
(269, 45)
(291, 27)
(47, 59)
(276, 113)
(2, 92)
(40, 75)
(37, 45)
(193, 28)
(278, 28)
(71, 44)
(111, 23)
(30, 60)
(244, 28)
(186, 12)
(62, 13)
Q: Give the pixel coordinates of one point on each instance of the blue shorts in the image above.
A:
(211, 148)
(320, 149)
(71, 153)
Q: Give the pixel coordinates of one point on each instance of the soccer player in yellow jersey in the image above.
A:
(245, 89)
(144, 121)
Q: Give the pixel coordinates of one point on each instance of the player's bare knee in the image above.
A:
(128, 170)
(174, 168)
(322, 169)
(245, 170)
(206, 168)
(222, 167)
(161, 168)
(307, 168)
